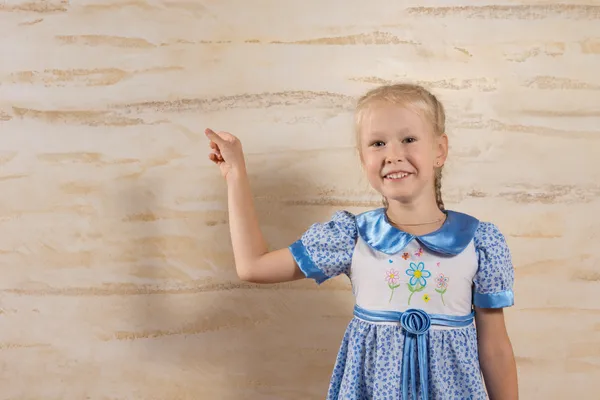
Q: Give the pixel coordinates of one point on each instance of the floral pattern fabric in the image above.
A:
(368, 365)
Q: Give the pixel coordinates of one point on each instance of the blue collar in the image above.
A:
(451, 239)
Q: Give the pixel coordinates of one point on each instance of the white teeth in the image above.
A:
(396, 176)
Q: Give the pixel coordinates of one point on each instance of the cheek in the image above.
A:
(371, 165)
(422, 155)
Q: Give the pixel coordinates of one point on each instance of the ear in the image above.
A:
(441, 149)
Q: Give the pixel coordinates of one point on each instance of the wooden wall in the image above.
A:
(116, 273)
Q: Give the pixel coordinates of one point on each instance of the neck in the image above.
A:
(416, 218)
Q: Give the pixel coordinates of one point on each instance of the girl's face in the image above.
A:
(400, 152)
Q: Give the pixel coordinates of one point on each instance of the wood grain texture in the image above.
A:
(117, 278)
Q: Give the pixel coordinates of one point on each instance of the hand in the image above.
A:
(226, 152)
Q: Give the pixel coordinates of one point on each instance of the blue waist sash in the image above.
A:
(416, 324)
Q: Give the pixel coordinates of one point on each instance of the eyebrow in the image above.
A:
(402, 131)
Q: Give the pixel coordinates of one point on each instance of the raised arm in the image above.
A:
(253, 261)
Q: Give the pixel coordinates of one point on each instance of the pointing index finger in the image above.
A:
(212, 135)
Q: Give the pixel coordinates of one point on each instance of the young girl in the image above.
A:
(422, 276)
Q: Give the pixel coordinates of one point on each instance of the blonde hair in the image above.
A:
(409, 95)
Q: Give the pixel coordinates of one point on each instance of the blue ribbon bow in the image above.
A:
(416, 324)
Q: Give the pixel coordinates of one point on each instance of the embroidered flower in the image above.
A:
(442, 281)
(392, 276)
(419, 252)
(442, 285)
(418, 274)
(438, 264)
(426, 298)
(406, 256)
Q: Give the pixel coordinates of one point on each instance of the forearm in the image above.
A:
(253, 262)
(247, 239)
(499, 370)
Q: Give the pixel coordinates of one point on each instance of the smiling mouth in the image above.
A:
(396, 176)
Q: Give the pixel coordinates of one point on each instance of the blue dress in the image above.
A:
(413, 334)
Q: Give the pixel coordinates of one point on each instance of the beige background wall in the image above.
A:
(116, 272)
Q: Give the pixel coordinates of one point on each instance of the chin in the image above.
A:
(403, 194)
(402, 199)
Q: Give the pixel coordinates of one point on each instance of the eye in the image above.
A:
(410, 140)
(377, 143)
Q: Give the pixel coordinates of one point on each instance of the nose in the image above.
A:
(394, 154)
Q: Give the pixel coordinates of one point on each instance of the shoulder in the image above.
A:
(488, 234)
(343, 217)
(491, 247)
(341, 222)
(495, 275)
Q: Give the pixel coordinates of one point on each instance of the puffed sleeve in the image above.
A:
(325, 249)
(493, 282)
